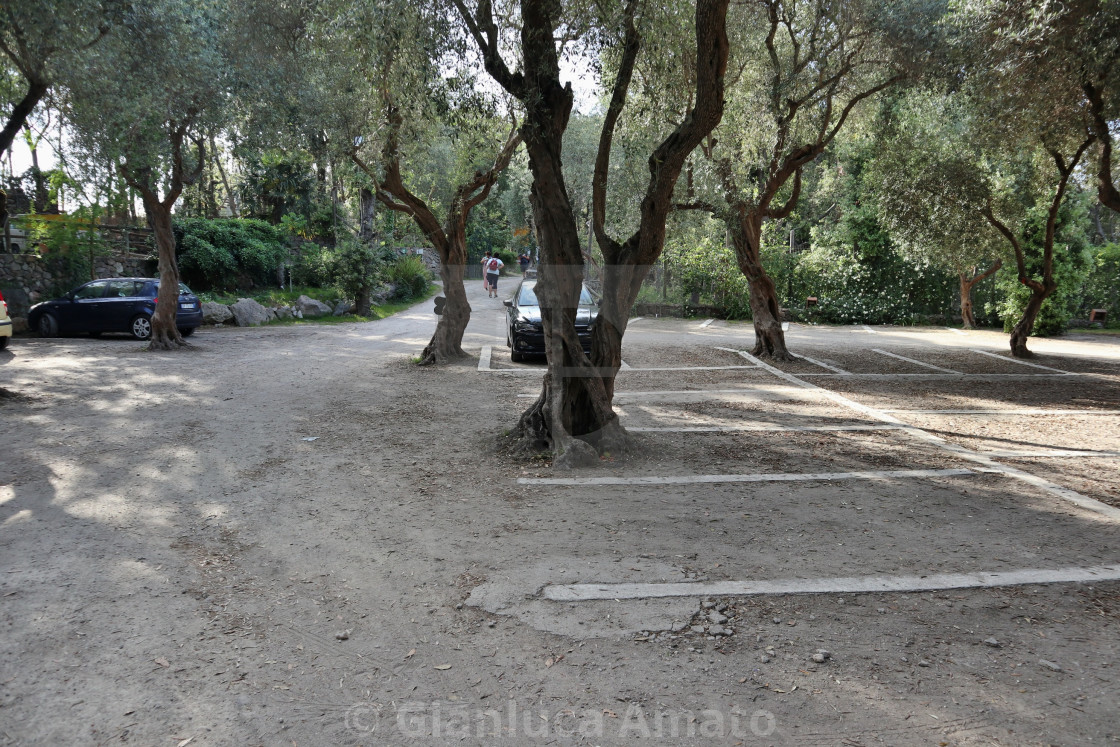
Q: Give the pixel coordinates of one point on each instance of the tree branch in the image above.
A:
(485, 33)
(485, 181)
(1020, 259)
(995, 267)
(632, 42)
(791, 203)
(700, 205)
(1107, 192)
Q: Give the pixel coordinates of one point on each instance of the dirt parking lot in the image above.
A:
(294, 536)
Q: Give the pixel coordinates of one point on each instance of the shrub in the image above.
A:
(508, 257)
(313, 266)
(410, 276)
(229, 252)
(203, 264)
(353, 265)
(1102, 287)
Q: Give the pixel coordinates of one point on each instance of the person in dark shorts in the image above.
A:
(493, 266)
(523, 260)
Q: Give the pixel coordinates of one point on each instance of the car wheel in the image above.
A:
(141, 327)
(186, 331)
(47, 326)
(4, 342)
(516, 357)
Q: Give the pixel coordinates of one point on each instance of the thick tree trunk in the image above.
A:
(573, 411)
(367, 213)
(769, 339)
(165, 334)
(967, 283)
(574, 403)
(446, 344)
(1022, 329)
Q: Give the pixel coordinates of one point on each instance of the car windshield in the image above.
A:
(528, 297)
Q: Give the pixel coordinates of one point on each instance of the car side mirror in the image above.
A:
(508, 303)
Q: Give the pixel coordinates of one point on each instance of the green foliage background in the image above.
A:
(227, 253)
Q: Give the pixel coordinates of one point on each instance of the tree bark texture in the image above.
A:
(1107, 192)
(746, 237)
(967, 317)
(1022, 329)
(367, 213)
(165, 333)
(968, 282)
(449, 241)
(573, 412)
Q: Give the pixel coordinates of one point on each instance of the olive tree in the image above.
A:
(932, 189)
(801, 68)
(1025, 70)
(521, 48)
(143, 101)
(41, 43)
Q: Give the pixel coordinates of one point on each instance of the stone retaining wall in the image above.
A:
(27, 279)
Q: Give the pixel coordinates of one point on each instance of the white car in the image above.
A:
(5, 323)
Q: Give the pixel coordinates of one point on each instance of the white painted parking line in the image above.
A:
(1009, 359)
(868, 329)
(911, 360)
(822, 364)
(1022, 411)
(785, 326)
(484, 359)
(754, 477)
(623, 365)
(733, 428)
(954, 329)
(706, 323)
(1013, 454)
(839, 585)
(1071, 496)
(942, 376)
(636, 319)
(692, 368)
(697, 394)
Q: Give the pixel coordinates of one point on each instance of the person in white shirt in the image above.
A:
(492, 266)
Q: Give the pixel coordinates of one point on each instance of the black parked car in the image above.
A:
(112, 305)
(524, 333)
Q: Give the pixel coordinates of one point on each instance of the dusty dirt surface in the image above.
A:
(293, 536)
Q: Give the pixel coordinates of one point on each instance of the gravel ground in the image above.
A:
(294, 536)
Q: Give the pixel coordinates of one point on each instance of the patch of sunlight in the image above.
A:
(18, 517)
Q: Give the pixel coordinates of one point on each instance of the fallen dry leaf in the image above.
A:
(410, 653)
(185, 742)
(548, 662)
(444, 666)
(163, 663)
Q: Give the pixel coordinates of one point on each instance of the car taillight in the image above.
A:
(1, 296)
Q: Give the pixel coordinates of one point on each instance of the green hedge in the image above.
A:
(229, 253)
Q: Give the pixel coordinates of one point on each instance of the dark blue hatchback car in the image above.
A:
(112, 305)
